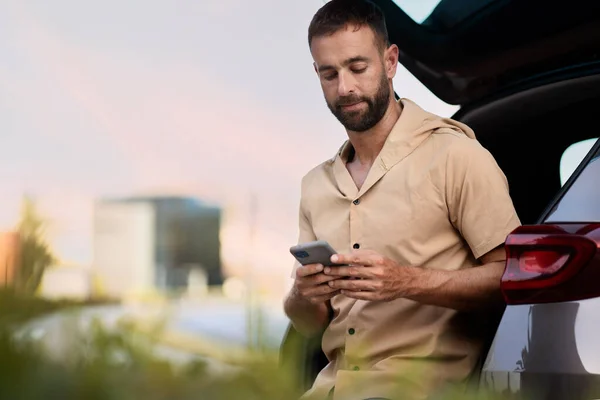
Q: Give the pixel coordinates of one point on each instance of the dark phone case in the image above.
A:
(317, 252)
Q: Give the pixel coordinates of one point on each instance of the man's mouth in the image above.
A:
(351, 105)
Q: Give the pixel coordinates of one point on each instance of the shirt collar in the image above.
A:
(403, 138)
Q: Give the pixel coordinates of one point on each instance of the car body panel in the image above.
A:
(546, 351)
(552, 351)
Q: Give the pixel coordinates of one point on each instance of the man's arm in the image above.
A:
(309, 316)
(466, 290)
(481, 209)
(471, 289)
(307, 304)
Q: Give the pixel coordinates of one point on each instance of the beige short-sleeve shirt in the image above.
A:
(434, 198)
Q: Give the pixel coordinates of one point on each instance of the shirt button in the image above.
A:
(356, 368)
(356, 245)
(351, 331)
(356, 202)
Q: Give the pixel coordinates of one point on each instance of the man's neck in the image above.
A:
(368, 144)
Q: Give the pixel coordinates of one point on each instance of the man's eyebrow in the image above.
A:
(349, 61)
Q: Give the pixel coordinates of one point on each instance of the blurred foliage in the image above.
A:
(16, 307)
(118, 364)
(35, 254)
(91, 361)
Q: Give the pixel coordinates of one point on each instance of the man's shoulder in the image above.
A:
(322, 171)
(456, 147)
(317, 173)
(457, 155)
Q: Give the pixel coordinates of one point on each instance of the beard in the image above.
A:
(363, 120)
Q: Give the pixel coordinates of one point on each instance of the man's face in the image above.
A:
(354, 73)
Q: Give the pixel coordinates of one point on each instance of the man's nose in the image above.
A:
(345, 85)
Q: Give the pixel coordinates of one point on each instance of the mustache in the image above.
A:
(349, 100)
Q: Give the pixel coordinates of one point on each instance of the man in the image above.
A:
(417, 208)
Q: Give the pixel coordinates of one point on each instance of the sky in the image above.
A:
(216, 99)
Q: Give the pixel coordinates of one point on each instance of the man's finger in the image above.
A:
(365, 259)
(349, 271)
(360, 295)
(322, 299)
(319, 290)
(310, 269)
(314, 280)
(355, 284)
(318, 279)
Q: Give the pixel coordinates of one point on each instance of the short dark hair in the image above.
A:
(337, 14)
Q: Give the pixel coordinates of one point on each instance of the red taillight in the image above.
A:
(539, 262)
(551, 263)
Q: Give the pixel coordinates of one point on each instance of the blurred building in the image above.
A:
(9, 257)
(152, 243)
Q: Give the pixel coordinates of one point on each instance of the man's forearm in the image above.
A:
(308, 318)
(470, 289)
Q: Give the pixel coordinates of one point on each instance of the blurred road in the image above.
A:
(216, 321)
(227, 322)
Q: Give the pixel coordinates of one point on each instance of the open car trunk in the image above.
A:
(468, 50)
(504, 62)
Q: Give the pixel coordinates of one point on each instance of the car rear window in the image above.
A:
(572, 157)
(581, 202)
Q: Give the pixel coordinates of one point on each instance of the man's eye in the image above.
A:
(329, 77)
(359, 70)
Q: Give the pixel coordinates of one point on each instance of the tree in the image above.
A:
(35, 254)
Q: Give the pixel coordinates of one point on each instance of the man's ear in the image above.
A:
(391, 60)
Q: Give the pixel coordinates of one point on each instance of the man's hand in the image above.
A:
(306, 304)
(311, 284)
(373, 276)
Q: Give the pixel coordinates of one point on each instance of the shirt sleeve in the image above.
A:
(305, 233)
(477, 195)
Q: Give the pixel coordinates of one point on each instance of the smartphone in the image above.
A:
(317, 252)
